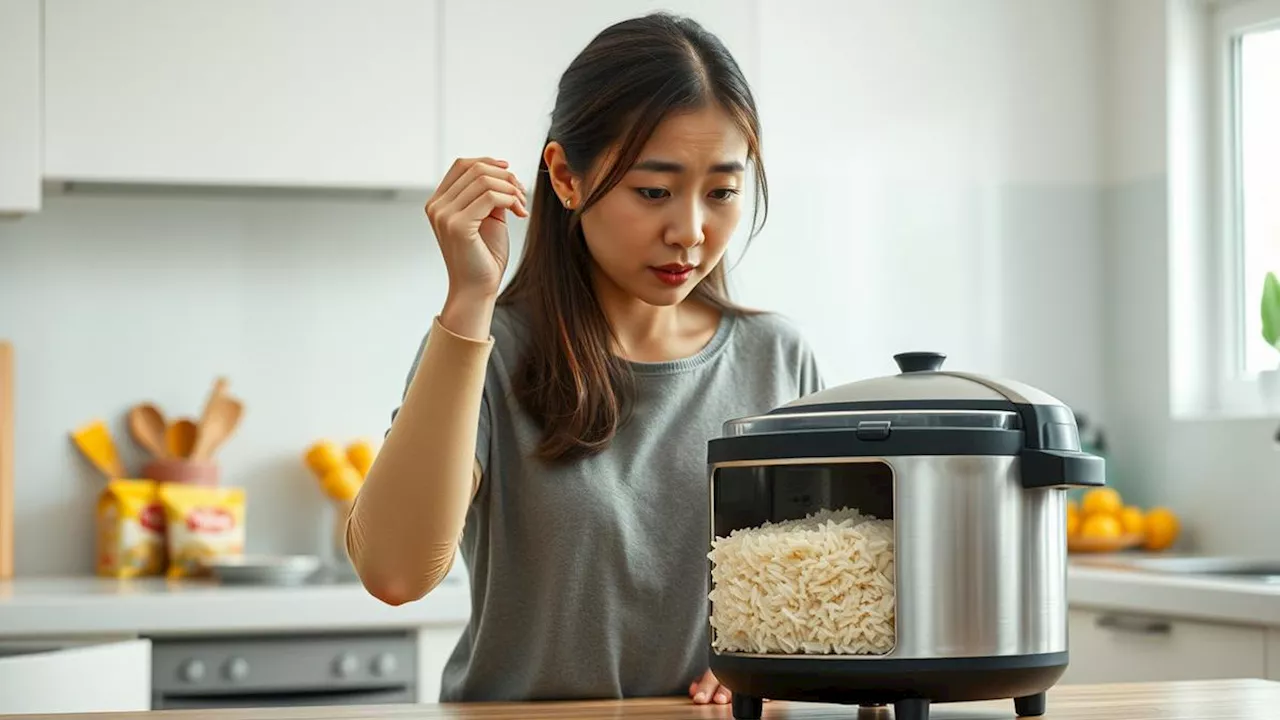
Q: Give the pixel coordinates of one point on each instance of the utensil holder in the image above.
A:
(183, 471)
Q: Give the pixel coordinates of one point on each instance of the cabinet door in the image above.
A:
(500, 74)
(1111, 647)
(1273, 653)
(272, 93)
(20, 119)
(435, 645)
(68, 678)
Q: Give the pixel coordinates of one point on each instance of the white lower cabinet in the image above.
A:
(1273, 654)
(435, 645)
(38, 677)
(1109, 647)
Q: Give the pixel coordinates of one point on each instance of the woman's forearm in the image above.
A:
(404, 527)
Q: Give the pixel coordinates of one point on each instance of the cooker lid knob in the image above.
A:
(911, 362)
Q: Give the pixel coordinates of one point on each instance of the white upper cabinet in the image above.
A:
(302, 93)
(20, 117)
(503, 60)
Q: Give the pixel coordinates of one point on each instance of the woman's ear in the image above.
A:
(566, 185)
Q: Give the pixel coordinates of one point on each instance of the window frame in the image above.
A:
(1238, 393)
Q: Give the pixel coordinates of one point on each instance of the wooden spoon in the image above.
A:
(221, 415)
(147, 426)
(180, 437)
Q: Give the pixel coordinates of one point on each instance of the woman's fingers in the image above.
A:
(478, 172)
(460, 166)
(490, 203)
(478, 189)
(706, 688)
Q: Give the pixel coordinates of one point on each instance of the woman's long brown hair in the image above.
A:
(614, 94)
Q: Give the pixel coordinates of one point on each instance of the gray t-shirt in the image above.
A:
(588, 580)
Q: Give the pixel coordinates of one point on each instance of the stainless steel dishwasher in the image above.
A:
(283, 670)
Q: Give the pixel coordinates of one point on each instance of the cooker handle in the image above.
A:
(1061, 469)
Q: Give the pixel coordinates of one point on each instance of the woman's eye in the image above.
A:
(652, 193)
(724, 194)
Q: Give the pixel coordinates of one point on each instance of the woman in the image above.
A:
(556, 432)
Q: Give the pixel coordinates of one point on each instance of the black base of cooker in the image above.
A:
(911, 686)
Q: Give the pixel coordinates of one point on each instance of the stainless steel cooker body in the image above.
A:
(973, 472)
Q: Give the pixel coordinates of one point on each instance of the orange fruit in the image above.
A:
(341, 482)
(1160, 528)
(323, 456)
(360, 454)
(1132, 520)
(1098, 527)
(1101, 501)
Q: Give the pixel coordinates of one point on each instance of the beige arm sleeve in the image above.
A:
(405, 524)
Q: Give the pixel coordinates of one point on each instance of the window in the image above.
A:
(1258, 194)
(1248, 39)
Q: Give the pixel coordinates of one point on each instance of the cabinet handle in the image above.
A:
(1138, 625)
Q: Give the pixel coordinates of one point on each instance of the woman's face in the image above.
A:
(666, 225)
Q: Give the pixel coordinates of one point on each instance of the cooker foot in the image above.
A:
(746, 707)
(911, 709)
(1031, 705)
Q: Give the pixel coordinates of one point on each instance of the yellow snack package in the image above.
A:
(204, 523)
(131, 530)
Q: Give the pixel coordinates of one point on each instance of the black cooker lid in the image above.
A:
(924, 395)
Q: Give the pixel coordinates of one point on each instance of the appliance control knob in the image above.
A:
(192, 671)
(237, 669)
(346, 665)
(384, 664)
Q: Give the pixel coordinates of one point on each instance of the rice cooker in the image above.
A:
(897, 540)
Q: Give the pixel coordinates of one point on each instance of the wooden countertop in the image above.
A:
(1199, 700)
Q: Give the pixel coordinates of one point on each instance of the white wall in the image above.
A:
(1220, 475)
(934, 168)
(935, 171)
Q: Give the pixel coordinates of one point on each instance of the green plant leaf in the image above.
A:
(1271, 310)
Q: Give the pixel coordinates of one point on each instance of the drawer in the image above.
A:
(1108, 646)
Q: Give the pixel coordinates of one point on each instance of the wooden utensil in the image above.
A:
(7, 384)
(147, 426)
(217, 422)
(180, 437)
(94, 440)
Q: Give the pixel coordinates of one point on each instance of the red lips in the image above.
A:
(673, 274)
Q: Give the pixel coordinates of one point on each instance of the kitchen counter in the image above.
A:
(1103, 582)
(73, 606)
(1218, 699)
(99, 606)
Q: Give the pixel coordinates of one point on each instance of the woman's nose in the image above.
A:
(687, 230)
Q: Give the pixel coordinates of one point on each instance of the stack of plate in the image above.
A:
(264, 569)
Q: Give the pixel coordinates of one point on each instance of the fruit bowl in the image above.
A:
(1101, 522)
(1083, 544)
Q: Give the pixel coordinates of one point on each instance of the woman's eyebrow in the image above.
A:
(670, 166)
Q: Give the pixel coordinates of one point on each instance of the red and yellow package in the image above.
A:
(131, 530)
(203, 523)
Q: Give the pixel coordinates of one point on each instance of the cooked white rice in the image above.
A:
(820, 585)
